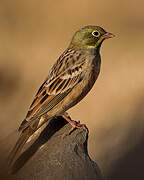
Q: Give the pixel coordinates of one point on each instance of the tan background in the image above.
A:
(32, 36)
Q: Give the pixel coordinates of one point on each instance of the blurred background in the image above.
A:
(33, 34)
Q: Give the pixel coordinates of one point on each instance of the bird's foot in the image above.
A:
(75, 125)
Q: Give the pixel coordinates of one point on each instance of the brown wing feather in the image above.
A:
(65, 74)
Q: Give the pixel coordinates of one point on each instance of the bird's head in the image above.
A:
(90, 37)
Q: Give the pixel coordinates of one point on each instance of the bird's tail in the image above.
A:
(25, 134)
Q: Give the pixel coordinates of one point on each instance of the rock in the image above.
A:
(53, 157)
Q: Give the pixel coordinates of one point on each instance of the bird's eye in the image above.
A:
(96, 33)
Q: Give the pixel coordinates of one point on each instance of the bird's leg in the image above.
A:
(74, 124)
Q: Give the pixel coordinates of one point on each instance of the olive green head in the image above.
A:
(90, 37)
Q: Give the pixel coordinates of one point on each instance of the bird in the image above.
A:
(68, 82)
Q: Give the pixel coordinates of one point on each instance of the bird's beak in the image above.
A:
(108, 35)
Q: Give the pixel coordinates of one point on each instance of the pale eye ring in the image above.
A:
(96, 33)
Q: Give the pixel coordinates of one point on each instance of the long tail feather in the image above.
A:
(19, 145)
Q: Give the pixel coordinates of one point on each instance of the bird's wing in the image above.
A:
(68, 71)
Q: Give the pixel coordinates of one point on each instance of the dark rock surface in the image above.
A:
(53, 157)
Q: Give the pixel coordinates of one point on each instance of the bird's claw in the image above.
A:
(76, 125)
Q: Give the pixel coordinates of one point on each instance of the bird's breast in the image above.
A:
(92, 74)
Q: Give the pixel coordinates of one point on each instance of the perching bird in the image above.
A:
(68, 82)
